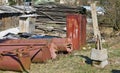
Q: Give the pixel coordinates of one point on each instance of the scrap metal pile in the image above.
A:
(17, 54)
(21, 52)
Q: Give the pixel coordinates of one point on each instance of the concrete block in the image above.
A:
(104, 63)
(100, 64)
(99, 55)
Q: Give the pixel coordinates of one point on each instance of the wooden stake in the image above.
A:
(95, 25)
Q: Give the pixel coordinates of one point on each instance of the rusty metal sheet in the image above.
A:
(15, 59)
(76, 30)
(83, 30)
(40, 54)
(73, 30)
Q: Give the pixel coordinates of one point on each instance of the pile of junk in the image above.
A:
(19, 48)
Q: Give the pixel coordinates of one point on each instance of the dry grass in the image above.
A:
(77, 62)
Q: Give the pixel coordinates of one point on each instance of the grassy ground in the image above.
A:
(77, 62)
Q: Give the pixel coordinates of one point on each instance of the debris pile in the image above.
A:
(22, 48)
(55, 15)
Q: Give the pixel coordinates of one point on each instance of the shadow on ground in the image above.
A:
(115, 71)
(87, 59)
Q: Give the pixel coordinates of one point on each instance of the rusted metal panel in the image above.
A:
(62, 44)
(25, 41)
(15, 59)
(83, 30)
(73, 30)
(76, 30)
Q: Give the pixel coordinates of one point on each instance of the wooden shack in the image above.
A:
(9, 15)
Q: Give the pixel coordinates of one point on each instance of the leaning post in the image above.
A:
(98, 54)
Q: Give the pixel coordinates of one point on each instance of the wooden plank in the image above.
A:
(50, 22)
(94, 18)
